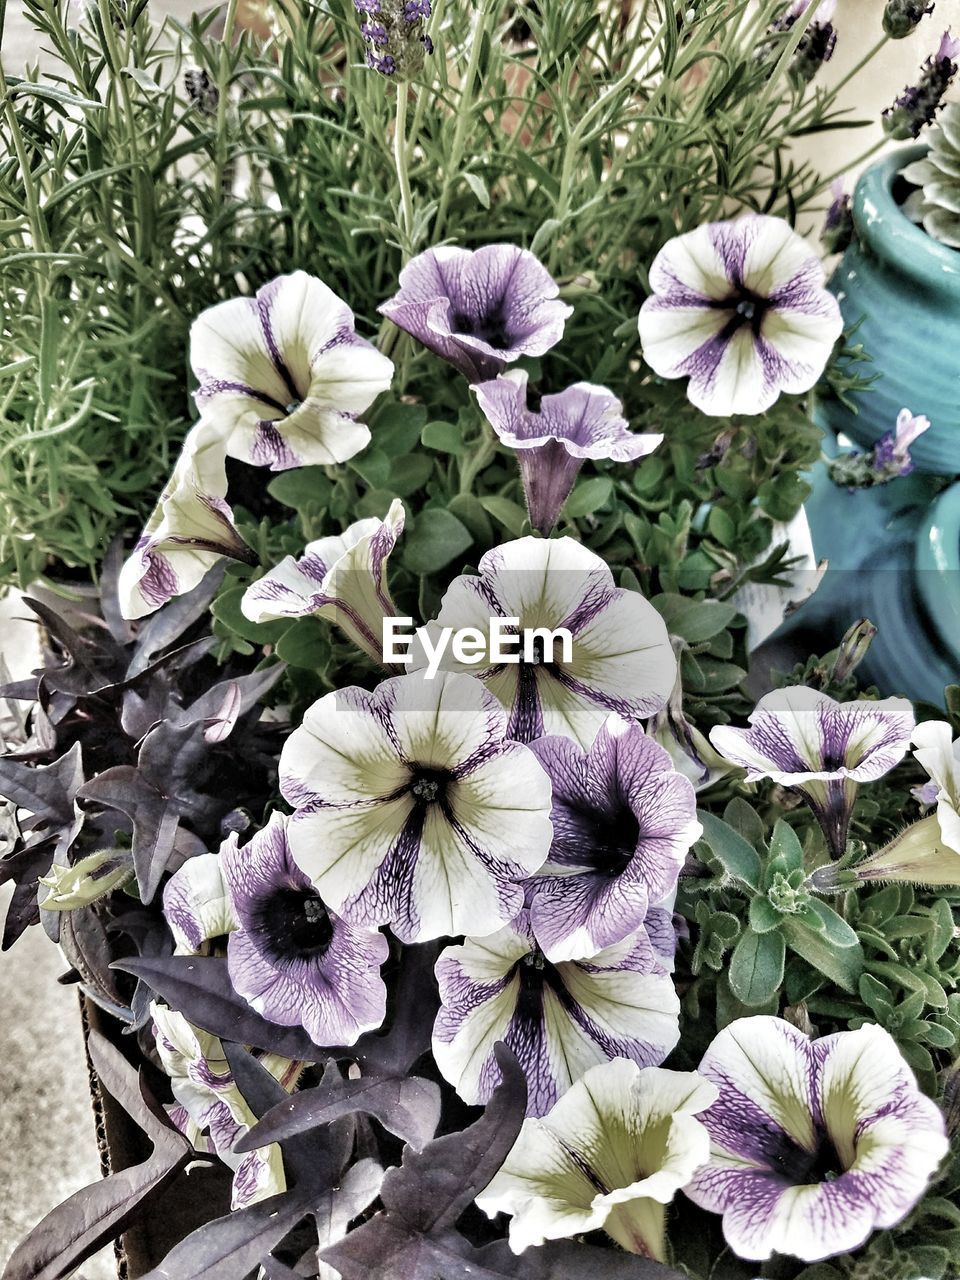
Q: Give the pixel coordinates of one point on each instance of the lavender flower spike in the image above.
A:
(559, 1019)
(918, 105)
(623, 821)
(582, 422)
(480, 309)
(611, 1154)
(814, 1144)
(801, 738)
(740, 309)
(284, 376)
(342, 578)
(291, 958)
(901, 17)
(412, 808)
(191, 528)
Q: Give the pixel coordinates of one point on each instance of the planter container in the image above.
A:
(190, 1199)
(903, 288)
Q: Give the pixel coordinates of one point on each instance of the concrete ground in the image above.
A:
(46, 1127)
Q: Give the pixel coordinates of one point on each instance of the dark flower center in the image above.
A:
(429, 786)
(803, 1168)
(617, 840)
(748, 309)
(296, 923)
(293, 406)
(491, 327)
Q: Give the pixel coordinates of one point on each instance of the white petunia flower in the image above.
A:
(342, 578)
(611, 1154)
(284, 376)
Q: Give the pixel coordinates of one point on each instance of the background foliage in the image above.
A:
(129, 202)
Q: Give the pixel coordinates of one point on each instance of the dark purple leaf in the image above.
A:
(414, 1237)
(199, 988)
(77, 1228)
(110, 567)
(433, 1187)
(416, 1001)
(155, 820)
(86, 946)
(21, 690)
(91, 666)
(250, 690)
(568, 1260)
(229, 1248)
(169, 624)
(173, 759)
(25, 868)
(47, 790)
(407, 1106)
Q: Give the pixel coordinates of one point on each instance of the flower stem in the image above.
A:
(400, 161)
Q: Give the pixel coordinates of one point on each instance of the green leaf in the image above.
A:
(396, 428)
(695, 621)
(588, 496)
(469, 510)
(756, 967)
(875, 996)
(842, 965)
(226, 609)
(739, 860)
(785, 849)
(305, 644)
(407, 475)
(783, 496)
(936, 1036)
(941, 914)
(444, 437)
(301, 488)
(507, 513)
(833, 927)
(744, 819)
(721, 527)
(763, 915)
(479, 188)
(437, 538)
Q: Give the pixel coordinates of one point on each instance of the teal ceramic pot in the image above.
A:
(904, 289)
(894, 554)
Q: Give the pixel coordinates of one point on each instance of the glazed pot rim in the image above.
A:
(937, 563)
(902, 244)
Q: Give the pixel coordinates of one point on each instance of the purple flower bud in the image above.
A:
(414, 10)
(919, 103)
(367, 6)
(838, 225)
(900, 17)
(375, 32)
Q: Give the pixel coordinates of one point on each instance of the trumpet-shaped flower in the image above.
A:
(480, 309)
(559, 1019)
(741, 310)
(610, 1154)
(412, 808)
(191, 528)
(291, 958)
(284, 376)
(342, 578)
(211, 1111)
(551, 443)
(814, 1144)
(197, 904)
(623, 821)
(928, 851)
(620, 654)
(802, 738)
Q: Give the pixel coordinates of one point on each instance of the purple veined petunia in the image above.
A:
(740, 309)
(620, 659)
(291, 958)
(412, 809)
(814, 1144)
(197, 904)
(552, 442)
(191, 528)
(610, 1154)
(211, 1111)
(342, 578)
(481, 309)
(559, 1019)
(284, 376)
(802, 738)
(623, 822)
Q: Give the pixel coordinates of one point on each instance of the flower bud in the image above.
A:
(395, 35)
(87, 881)
(919, 103)
(900, 17)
